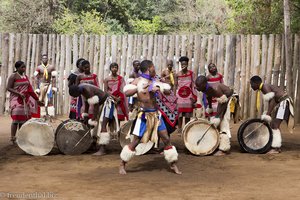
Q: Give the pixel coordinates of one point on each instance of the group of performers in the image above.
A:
(157, 104)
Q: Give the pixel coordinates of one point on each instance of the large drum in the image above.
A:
(141, 148)
(36, 137)
(200, 137)
(255, 136)
(73, 137)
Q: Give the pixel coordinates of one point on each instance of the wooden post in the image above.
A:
(96, 55)
(202, 54)
(270, 59)
(282, 71)
(114, 48)
(296, 64)
(288, 47)
(238, 63)
(81, 46)
(197, 50)
(227, 60)
(24, 47)
(243, 75)
(102, 59)
(60, 102)
(129, 54)
(177, 52)
(158, 63)
(68, 68)
(91, 51)
(248, 67)
(124, 65)
(150, 48)
(220, 57)
(277, 59)
(18, 48)
(4, 69)
(28, 55)
(75, 51)
(107, 56)
(165, 53)
(145, 47)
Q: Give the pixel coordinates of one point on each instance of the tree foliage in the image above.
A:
(146, 16)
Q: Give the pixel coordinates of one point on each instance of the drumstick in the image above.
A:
(25, 108)
(253, 131)
(203, 134)
(80, 139)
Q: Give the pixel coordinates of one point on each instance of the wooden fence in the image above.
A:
(237, 57)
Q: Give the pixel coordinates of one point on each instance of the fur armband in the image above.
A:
(209, 110)
(126, 154)
(83, 115)
(141, 85)
(215, 121)
(54, 89)
(93, 100)
(92, 122)
(35, 73)
(268, 96)
(54, 73)
(129, 87)
(130, 80)
(37, 91)
(222, 99)
(266, 118)
(162, 86)
(171, 154)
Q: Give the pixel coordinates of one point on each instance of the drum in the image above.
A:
(255, 136)
(36, 137)
(200, 137)
(141, 148)
(73, 137)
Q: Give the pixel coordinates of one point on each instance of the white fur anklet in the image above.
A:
(171, 154)
(224, 142)
(92, 122)
(83, 115)
(104, 138)
(126, 154)
(276, 143)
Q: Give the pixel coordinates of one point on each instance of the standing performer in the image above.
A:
(72, 81)
(132, 101)
(223, 94)
(23, 100)
(167, 104)
(115, 108)
(279, 107)
(213, 78)
(90, 78)
(148, 123)
(45, 84)
(186, 95)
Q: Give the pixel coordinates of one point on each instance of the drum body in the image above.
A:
(73, 137)
(141, 148)
(255, 136)
(200, 137)
(36, 137)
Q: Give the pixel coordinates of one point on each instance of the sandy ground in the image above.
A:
(235, 176)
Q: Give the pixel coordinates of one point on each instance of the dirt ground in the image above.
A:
(235, 176)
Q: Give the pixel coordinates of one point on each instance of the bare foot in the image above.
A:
(175, 169)
(274, 151)
(13, 140)
(122, 168)
(101, 151)
(219, 153)
(179, 131)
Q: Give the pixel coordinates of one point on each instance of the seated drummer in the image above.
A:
(92, 95)
(149, 123)
(279, 108)
(221, 121)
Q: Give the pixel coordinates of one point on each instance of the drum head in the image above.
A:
(141, 148)
(200, 137)
(255, 136)
(73, 137)
(36, 137)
